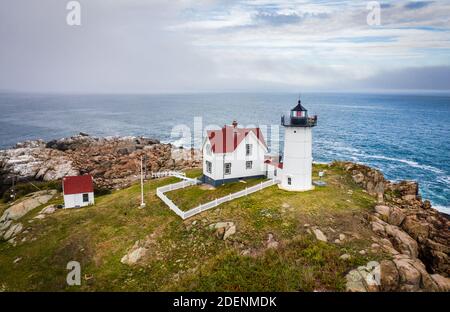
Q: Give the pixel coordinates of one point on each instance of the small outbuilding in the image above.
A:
(78, 191)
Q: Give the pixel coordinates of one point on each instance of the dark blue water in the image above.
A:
(406, 136)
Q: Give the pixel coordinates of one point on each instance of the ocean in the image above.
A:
(405, 136)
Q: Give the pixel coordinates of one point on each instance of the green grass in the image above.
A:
(186, 255)
(193, 196)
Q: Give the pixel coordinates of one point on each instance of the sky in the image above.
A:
(156, 46)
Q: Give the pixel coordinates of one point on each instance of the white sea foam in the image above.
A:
(410, 163)
(444, 179)
(178, 143)
(444, 209)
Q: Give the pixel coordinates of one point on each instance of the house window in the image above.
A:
(208, 166)
(289, 181)
(85, 198)
(227, 168)
(248, 164)
(208, 150)
(248, 150)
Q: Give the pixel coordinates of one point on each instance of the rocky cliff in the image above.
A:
(112, 161)
(416, 235)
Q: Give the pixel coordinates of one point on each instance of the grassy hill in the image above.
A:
(187, 255)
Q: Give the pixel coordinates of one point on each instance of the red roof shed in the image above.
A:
(78, 184)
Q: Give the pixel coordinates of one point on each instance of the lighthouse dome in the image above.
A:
(298, 117)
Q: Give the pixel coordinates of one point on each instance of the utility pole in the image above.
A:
(142, 184)
(13, 190)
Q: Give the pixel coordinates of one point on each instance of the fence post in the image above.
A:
(215, 203)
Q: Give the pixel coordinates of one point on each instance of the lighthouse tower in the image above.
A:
(297, 157)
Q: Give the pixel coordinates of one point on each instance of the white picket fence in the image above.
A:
(167, 173)
(172, 187)
(203, 207)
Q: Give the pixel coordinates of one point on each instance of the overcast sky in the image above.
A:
(151, 46)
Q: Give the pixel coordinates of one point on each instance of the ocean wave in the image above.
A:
(182, 142)
(410, 163)
(444, 179)
(444, 209)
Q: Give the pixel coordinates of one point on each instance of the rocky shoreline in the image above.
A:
(416, 235)
(112, 161)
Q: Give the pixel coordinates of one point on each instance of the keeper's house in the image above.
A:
(233, 153)
(78, 191)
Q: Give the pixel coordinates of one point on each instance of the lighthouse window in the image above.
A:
(289, 181)
(248, 165)
(208, 166)
(227, 168)
(248, 149)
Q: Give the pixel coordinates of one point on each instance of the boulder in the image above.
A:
(5, 225)
(426, 282)
(384, 211)
(364, 278)
(378, 228)
(271, 242)
(223, 230)
(31, 201)
(13, 231)
(135, 255)
(389, 275)
(409, 276)
(355, 282)
(443, 283)
(402, 241)
(230, 231)
(358, 178)
(417, 229)
(319, 235)
(49, 209)
(220, 232)
(396, 216)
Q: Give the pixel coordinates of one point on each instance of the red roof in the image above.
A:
(228, 138)
(77, 184)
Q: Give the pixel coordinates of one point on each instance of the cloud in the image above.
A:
(415, 5)
(414, 78)
(278, 19)
(203, 45)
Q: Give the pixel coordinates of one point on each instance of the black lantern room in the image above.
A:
(299, 111)
(298, 117)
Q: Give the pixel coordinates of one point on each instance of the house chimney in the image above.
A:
(234, 123)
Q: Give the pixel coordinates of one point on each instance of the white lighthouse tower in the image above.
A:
(297, 157)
